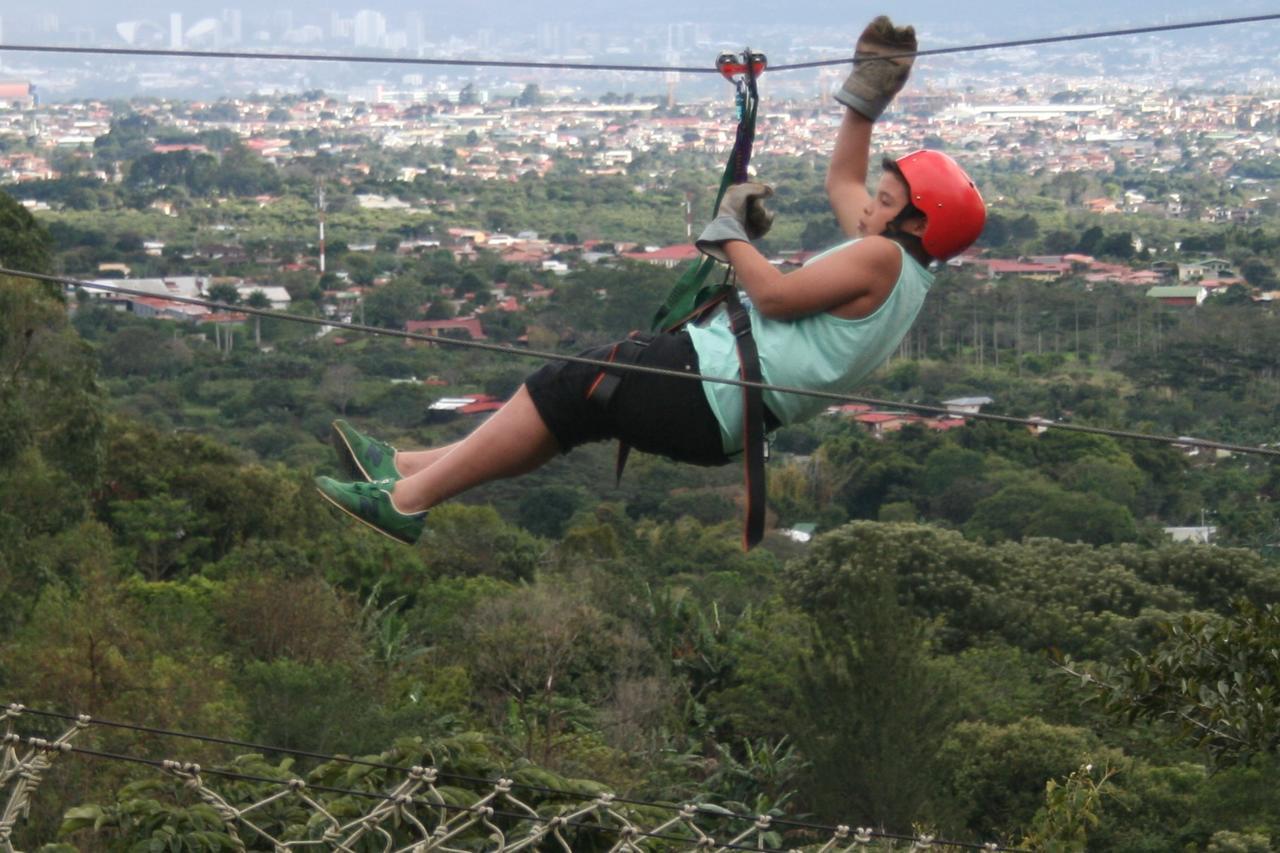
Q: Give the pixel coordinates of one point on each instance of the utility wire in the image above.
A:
(340, 759)
(543, 355)
(588, 66)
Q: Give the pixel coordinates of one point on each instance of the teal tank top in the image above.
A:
(820, 352)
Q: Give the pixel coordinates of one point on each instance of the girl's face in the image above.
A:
(887, 202)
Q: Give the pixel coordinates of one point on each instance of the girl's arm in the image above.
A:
(851, 282)
(882, 62)
(847, 172)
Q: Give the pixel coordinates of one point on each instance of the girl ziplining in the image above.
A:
(823, 327)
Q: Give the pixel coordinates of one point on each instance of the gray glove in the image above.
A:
(875, 80)
(741, 216)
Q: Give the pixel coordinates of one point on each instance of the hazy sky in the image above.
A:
(784, 29)
(994, 17)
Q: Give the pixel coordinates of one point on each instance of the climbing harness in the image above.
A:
(692, 300)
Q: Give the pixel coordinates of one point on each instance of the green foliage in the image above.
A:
(1039, 594)
(24, 244)
(174, 575)
(995, 774)
(466, 540)
(546, 511)
(1041, 509)
(394, 304)
(1216, 679)
(157, 534)
(874, 708)
(1070, 812)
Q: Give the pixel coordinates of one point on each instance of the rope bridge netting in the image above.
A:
(352, 805)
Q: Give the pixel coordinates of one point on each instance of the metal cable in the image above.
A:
(328, 57)
(373, 795)
(998, 45)
(258, 747)
(542, 355)
(588, 66)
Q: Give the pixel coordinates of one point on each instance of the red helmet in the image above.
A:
(953, 208)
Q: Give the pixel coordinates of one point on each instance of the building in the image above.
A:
(1209, 268)
(458, 327)
(17, 95)
(1187, 296)
(967, 405)
(670, 257)
(1196, 535)
(278, 296)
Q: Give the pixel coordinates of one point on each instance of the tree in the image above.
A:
(394, 304)
(1025, 227)
(873, 709)
(227, 294)
(1090, 240)
(819, 234)
(531, 96)
(1024, 509)
(1215, 679)
(24, 244)
(339, 385)
(160, 532)
(473, 540)
(49, 395)
(244, 172)
(1258, 273)
(546, 510)
(1117, 245)
(1069, 186)
(526, 646)
(258, 299)
(995, 774)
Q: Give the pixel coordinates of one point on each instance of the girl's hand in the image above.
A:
(880, 69)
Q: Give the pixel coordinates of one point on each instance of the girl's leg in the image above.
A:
(514, 441)
(410, 462)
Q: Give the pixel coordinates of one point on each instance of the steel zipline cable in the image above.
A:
(17, 709)
(1043, 40)
(542, 355)
(589, 66)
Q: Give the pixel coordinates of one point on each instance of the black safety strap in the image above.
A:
(624, 352)
(753, 427)
(606, 385)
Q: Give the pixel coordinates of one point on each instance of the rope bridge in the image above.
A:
(419, 812)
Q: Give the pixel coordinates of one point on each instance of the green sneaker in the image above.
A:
(371, 503)
(362, 457)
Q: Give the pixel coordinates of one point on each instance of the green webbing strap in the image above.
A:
(691, 291)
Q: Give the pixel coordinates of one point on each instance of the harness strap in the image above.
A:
(607, 383)
(753, 426)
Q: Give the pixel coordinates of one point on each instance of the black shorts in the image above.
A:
(666, 415)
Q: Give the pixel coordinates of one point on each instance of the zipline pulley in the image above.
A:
(733, 65)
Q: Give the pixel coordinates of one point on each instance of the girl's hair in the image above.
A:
(910, 242)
